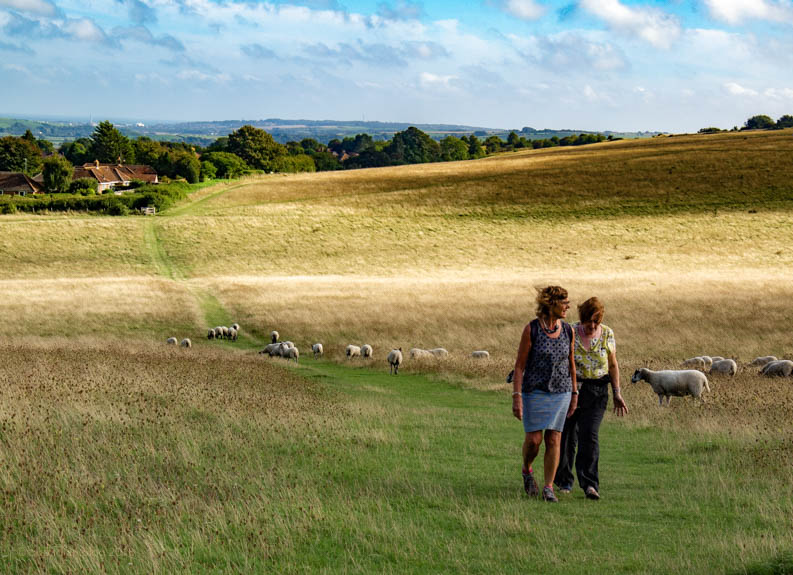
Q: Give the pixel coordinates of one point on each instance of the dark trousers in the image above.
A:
(582, 429)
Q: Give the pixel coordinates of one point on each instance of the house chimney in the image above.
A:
(96, 163)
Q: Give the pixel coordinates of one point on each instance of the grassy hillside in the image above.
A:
(120, 455)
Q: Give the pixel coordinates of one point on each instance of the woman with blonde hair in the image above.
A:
(544, 386)
(596, 365)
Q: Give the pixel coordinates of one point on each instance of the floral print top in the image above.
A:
(593, 364)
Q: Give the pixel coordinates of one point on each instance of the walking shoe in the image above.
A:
(565, 490)
(592, 493)
(529, 485)
(547, 495)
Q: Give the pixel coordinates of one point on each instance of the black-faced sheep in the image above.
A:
(186, 342)
(779, 368)
(352, 351)
(171, 341)
(673, 382)
(317, 349)
(394, 360)
(366, 351)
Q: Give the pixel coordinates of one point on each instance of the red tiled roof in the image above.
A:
(112, 173)
(18, 182)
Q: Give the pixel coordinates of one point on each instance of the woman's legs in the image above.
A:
(531, 447)
(586, 462)
(553, 440)
(564, 474)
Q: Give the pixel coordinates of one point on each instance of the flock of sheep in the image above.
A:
(693, 382)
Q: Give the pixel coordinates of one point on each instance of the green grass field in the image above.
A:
(122, 455)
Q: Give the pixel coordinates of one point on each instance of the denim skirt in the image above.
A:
(543, 410)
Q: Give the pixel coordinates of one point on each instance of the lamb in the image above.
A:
(695, 362)
(211, 334)
(352, 351)
(418, 353)
(439, 352)
(366, 351)
(673, 382)
(186, 342)
(171, 341)
(763, 360)
(779, 368)
(291, 353)
(317, 349)
(480, 354)
(395, 360)
(724, 367)
(274, 336)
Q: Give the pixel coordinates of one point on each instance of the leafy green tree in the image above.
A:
(219, 145)
(493, 144)
(513, 140)
(474, 147)
(57, 173)
(19, 155)
(187, 166)
(760, 122)
(709, 130)
(83, 186)
(256, 147)
(413, 147)
(147, 151)
(109, 145)
(294, 164)
(45, 147)
(208, 171)
(325, 161)
(785, 121)
(453, 149)
(226, 164)
(77, 152)
(29, 137)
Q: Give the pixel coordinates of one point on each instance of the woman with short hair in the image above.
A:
(544, 385)
(596, 366)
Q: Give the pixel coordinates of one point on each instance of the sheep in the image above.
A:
(283, 348)
(779, 368)
(480, 354)
(186, 342)
(724, 367)
(366, 351)
(233, 334)
(235, 326)
(270, 349)
(418, 353)
(352, 351)
(317, 349)
(291, 353)
(274, 336)
(761, 361)
(225, 332)
(288, 343)
(708, 361)
(218, 332)
(394, 360)
(716, 358)
(695, 362)
(439, 352)
(673, 382)
(211, 334)
(171, 341)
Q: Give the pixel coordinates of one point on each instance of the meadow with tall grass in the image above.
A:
(120, 455)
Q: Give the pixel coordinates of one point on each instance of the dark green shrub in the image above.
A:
(83, 186)
(115, 207)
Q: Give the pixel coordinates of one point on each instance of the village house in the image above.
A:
(18, 184)
(111, 175)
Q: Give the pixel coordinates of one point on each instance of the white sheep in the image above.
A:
(394, 360)
(317, 349)
(724, 367)
(716, 358)
(233, 334)
(708, 361)
(763, 360)
(695, 362)
(439, 352)
(288, 343)
(366, 351)
(235, 326)
(186, 342)
(418, 353)
(225, 332)
(211, 334)
(218, 332)
(667, 383)
(352, 351)
(480, 354)
(291, 353)
(274, 336)
(171, 341)
(779, 368)
(270, 349)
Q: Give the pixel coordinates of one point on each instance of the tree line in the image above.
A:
(759, 122)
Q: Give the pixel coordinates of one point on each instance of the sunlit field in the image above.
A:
(120, 454)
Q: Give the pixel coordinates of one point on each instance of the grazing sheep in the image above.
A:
(233, 334)
(270, 349)
(708, 361)
(366, 351)
(288, 343)
(418, 353)
(716, 358)
(352, 351)
(225, 332)
(695, 362)
(211, 334)
(763, 360)
(291, 353)
(186, 342)
(670, 382)
(317, 349)
(218, 332)
(724, 367)
(274, 336)
(171, 341)
(481, 354)
(394, 360)
(779, 368)
(235, 326)
(439, 352)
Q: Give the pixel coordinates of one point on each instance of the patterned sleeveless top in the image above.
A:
(548, 366)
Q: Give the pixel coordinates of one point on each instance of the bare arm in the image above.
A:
(523, 354)
(620, 408)
(574, 397)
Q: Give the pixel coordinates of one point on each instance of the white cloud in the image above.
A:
(524, 9)
(738, 11)
(40, 7)
(429, 80)
(84, 29)
(649, 24)
(779, 93)
(737, 90)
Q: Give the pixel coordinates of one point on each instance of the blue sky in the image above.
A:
(676, 65)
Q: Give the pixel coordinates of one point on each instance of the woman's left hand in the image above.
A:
(573, 405)
(620, 408)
